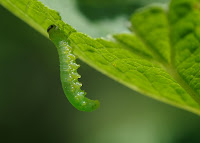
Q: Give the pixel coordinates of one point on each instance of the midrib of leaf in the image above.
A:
(169, 67)
(172, 70)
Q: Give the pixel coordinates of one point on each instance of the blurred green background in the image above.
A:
(33, 108)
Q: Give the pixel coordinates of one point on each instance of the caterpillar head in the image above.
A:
(51, 27)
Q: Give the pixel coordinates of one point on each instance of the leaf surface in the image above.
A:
(159, 57)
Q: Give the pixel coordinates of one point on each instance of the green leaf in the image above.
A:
(101, 9)
(159, 58)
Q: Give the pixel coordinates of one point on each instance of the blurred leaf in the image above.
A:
(161, 60)
(101, 9)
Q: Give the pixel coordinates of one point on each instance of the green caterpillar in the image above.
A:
(68, 72)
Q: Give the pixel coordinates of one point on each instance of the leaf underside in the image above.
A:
(160, 57)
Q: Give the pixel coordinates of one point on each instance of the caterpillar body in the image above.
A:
(68, 72)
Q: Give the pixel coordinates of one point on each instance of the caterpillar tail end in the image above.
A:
(88, 105)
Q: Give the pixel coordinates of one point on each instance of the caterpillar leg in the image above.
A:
(68, 72)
